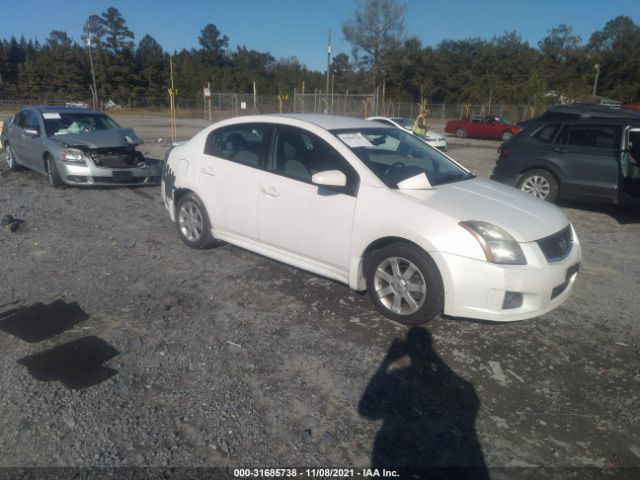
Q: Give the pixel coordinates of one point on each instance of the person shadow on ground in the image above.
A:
(428, 412)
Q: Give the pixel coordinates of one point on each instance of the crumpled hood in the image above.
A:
(526, 218)
(100, 139)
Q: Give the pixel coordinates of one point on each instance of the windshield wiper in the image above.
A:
(453, 177)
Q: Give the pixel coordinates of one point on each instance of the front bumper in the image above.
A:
(90, 175)
(477, 289)
(439, 144)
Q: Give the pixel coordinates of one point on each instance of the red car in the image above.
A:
(483, 127)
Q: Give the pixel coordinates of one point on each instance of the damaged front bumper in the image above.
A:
(144, 172)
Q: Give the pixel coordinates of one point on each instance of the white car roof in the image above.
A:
(328, 122)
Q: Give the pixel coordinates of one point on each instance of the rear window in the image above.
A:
(546, 133)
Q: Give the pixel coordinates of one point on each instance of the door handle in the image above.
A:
(271, 191)
(560, 150)
(209, 171)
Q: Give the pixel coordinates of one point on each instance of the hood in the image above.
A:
(526, 218)
(119, 137)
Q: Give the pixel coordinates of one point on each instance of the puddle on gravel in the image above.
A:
(76, 364)
(41, 322)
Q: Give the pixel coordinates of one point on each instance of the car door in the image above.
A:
(475, 127)
(299, 218)
(32, 141)
(589, 157)
(17, 137)
(229, 176)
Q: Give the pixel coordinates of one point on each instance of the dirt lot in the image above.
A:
(225, 358)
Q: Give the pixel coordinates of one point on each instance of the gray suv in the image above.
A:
(578, 152)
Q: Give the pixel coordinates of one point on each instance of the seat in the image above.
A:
(290, 158)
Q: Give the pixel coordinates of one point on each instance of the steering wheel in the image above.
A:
(392, 167)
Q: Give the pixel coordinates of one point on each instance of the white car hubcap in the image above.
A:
(400, 286)
(190, 221)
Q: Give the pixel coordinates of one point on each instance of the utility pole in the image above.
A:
(595, 82)
(328, 62)
(94, 92)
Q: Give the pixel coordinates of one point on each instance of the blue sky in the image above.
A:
(299, 28)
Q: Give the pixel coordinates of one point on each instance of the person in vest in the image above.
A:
(420, 125)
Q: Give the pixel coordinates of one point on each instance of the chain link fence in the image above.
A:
(225, 105)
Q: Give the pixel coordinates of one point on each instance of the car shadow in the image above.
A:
(623, 214)
(428, 414)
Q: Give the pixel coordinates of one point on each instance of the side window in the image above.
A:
(31, 121)
(563, 136)
(19, 119)
(299, 154)
(546, 133)
(241, 144)
(599, 136)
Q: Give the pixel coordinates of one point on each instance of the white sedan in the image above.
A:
(432, 137)
(373, 207)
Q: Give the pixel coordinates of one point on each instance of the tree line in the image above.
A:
(504, 69)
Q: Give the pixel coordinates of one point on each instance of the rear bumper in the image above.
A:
(511, 180)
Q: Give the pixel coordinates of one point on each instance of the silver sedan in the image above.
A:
(76, 146)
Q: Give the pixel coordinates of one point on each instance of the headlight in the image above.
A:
(72, 155)
(498, 245)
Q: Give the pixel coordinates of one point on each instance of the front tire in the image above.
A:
(192, 222)
(404, 284)
(10, 158)
(540, 184)
(461, 133)
(52, 173)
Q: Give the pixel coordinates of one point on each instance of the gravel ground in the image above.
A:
(226, 358)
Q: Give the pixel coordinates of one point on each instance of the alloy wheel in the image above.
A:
(400, 286)
(536, 186)
(190, 221)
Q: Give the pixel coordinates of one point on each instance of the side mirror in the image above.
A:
(32, 132)
(330, 178)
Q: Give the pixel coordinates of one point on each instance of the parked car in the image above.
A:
(76, 146)
(432, 137)
(576, 152)
(374, 207)
(491, 127)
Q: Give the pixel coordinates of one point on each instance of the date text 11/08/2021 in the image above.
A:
(313, 473)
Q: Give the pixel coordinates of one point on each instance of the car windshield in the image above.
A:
(504, 121)
(69, 123)
(394, 155)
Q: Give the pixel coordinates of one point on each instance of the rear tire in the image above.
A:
(192, 222)
(461, 133)
(52, 173)
(404, 284)
(541, 184)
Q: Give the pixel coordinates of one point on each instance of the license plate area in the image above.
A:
(121, 176)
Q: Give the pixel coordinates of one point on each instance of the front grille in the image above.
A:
(115, 158)
(557, 246)
(132, 180)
